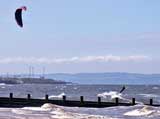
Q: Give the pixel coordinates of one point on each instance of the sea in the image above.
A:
(142, 94)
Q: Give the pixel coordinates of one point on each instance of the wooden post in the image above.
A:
(99, 100)
(64, 98)
(81, 99)
(46, 97)
(11, 96)
(28, 96)
(116, 101)
(151, 102)
(133, 101)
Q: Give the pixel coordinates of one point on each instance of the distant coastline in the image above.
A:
(118, 78)
(110, 78)
(28, 80)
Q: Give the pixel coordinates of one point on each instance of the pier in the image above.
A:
(12, 101)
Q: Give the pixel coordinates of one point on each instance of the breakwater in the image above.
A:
(12, 101)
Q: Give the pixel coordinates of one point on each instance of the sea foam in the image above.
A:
(111, 94)
(144, 111)
(57, 96)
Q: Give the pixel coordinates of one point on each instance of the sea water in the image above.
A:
(142, 93)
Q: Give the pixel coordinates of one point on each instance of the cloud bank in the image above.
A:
(46, 60)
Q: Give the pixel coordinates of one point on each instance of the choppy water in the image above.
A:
(142, 93)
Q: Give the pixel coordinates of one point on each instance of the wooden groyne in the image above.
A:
(12, 101)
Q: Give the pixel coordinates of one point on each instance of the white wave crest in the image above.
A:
(111, 94)
(149, 95)
(2, 84)
(57, 96)
(51, 111)
(155, 88)
(145, 111)
(54, 112)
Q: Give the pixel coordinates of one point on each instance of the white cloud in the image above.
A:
(45, 60)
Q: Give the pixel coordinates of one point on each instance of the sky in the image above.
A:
(69, 36)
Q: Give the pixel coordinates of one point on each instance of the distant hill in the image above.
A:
(107, 78)
(41, 80)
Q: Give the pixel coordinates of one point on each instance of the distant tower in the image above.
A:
(7, 75)
(43, 73)
(32, 72)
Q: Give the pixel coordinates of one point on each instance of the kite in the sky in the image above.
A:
(18, 15)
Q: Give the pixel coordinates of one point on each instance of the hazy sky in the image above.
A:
(81, 36)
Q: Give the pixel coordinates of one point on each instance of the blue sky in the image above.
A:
(81, 36)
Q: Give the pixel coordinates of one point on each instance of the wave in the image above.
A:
(155, 88)
(2, 84)
(55, 112)
(51, 111)
(149, 95)
(111, 94)
(144, 111)
(57, 96)
(60, 112)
